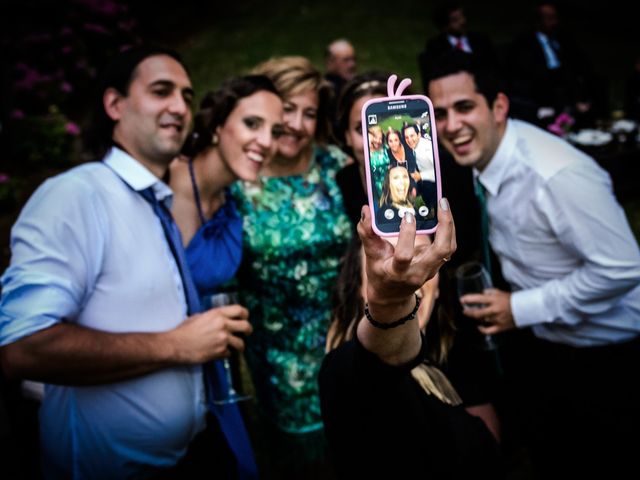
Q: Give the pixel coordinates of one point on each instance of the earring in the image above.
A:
(214, 139)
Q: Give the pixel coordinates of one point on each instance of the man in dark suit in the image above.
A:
(450, 19)
(548, 73)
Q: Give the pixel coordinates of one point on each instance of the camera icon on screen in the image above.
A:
(372, 119)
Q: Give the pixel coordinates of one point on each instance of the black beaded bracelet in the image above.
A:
(397, 323)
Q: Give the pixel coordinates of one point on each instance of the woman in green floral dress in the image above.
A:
(296, 232)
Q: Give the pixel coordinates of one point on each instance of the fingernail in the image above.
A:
(408, 217)
(444, 204)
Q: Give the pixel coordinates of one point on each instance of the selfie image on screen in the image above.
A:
(401, 160)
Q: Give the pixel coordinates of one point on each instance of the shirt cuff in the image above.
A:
(527, 307)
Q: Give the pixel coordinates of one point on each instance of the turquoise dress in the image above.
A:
(295, 233)
(379, 162)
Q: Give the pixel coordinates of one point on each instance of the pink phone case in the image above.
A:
(436, 159)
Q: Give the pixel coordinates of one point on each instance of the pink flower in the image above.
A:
(66, 87)
(72, 128)
(556, 129)
(4, 178)
(564, 119)
(562, 124)
(17, 114)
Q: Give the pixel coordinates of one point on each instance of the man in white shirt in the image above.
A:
(573, 263)
(423, 152)
(94, 303)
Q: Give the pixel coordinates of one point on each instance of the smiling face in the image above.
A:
(411, 137)
(393, 140)
(398, 184)
(300, 121)
(466, 125)
(249, 136)
(153, 118)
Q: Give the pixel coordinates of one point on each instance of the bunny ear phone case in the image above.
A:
(401, 160)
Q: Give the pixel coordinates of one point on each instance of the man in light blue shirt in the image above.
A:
(93, 302)
(573, 263)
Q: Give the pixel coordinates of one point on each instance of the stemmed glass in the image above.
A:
(220, 300)
(472, 277)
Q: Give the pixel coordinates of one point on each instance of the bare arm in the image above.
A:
(393, 276)
(74, 355)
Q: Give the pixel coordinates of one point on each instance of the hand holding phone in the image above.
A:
(401, 162)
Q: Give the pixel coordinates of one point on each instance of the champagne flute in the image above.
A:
(472, 277)
(214, 301)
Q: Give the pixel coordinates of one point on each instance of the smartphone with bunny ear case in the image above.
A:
(402, 166)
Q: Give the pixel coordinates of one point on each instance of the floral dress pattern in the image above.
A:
(295, 233)
(379, 162)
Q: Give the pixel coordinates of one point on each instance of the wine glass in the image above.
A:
(472, 277)
(220, 300)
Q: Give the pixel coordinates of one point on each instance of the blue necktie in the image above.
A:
(484, 223)
(228, 415)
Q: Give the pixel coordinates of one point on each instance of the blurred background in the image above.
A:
(52, 51)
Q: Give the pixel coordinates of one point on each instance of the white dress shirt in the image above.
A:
(424, 160)
(463, 41)
(564, 242)
(88, 249)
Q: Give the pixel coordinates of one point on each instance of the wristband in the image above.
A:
(397, 323)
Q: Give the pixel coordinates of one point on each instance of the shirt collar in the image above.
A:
(136, 175)
(493, 175)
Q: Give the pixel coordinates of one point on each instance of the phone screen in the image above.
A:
(403, 173)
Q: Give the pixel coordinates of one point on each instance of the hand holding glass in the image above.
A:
(220, 300)
(472, 277)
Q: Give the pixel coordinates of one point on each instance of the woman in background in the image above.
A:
(351, 178)
(296, 232)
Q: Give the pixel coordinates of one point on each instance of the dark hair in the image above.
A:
(443, 11)
(348, 308)
(217, 105)
(487, 81)
(118, 74)
(368, 83)
(348, 303)
(414, 126)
